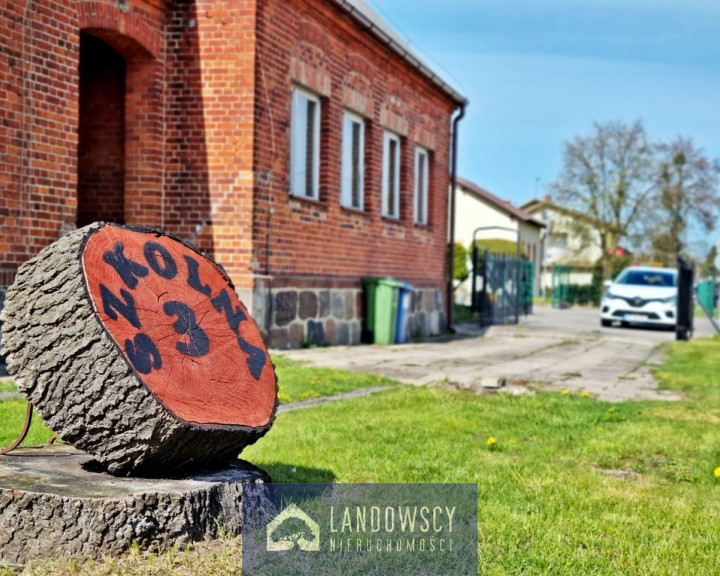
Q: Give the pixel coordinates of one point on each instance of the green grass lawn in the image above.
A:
(12, 419)
(567, 484)
(6, 385)
(462, 314)
(297, 382)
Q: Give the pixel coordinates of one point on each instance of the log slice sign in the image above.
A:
(172, 372)
(178, 322)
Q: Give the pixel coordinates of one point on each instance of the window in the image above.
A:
(391, 176)
(558, 241)
(353, 161)
(305, 144)
(421, 185)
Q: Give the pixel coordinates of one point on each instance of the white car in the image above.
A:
(641, 295)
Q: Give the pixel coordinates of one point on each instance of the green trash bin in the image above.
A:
(381, 302)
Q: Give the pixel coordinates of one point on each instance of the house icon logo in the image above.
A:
(292, 527)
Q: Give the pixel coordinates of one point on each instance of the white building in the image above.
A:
(481, 215)
(572, 239)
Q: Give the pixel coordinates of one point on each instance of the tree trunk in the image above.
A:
(134, 347)
(54, 504)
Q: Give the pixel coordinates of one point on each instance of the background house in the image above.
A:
(572, 239)
(299, 142)
(478, 208)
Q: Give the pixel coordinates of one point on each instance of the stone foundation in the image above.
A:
(3, 291)
(293, 317)
(319, 317)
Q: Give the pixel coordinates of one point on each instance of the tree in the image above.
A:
(292, 530)
(708, 268)
(688, 197)
(609, 176)
(461, 271)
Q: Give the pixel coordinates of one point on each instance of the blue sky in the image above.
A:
(539, 72)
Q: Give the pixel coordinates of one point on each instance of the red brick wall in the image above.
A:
(312, 43)
(38, 121)
(205, 150)
(39, 88)
(209, 128)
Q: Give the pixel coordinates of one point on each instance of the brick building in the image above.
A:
(298, 142)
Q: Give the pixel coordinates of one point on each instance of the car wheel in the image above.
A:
(606, 323)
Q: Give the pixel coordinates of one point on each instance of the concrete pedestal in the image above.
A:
(56, 501)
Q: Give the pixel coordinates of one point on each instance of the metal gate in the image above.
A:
(501, 288)
(685, 301)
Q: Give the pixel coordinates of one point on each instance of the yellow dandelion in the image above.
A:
(716, 472)
(611, 409)
(565, 392)
(585, 394)
(491, 440)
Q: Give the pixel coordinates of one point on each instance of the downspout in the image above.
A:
(451, 251)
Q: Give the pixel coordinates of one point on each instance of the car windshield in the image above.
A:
(648, 278)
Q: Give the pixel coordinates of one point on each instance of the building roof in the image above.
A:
(501, 205)
(535, 206)
(367, 17)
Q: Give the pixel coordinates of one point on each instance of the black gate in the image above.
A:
(685, 301)
(500, 288)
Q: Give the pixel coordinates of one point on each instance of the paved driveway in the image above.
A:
(550, 348)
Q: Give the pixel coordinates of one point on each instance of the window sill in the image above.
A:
(391, 219)
(308, 200)
(355, 211)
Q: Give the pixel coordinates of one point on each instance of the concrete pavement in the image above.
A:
(551, 348)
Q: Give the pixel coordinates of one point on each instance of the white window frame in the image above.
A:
(391, 176)
(422, 172)
(352, 193)
(304, 130)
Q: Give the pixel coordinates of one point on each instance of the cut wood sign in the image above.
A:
(147, 358)
(178, 322)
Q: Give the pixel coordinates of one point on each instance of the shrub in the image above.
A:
(584, 295)
(497, 246)
(460, 267)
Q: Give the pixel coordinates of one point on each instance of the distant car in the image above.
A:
(641, 295)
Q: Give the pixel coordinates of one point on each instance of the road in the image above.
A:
(557, 349)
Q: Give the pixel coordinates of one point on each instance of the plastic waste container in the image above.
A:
(381, 301)
(405, 291)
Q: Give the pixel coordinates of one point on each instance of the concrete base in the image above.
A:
(55, 501)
